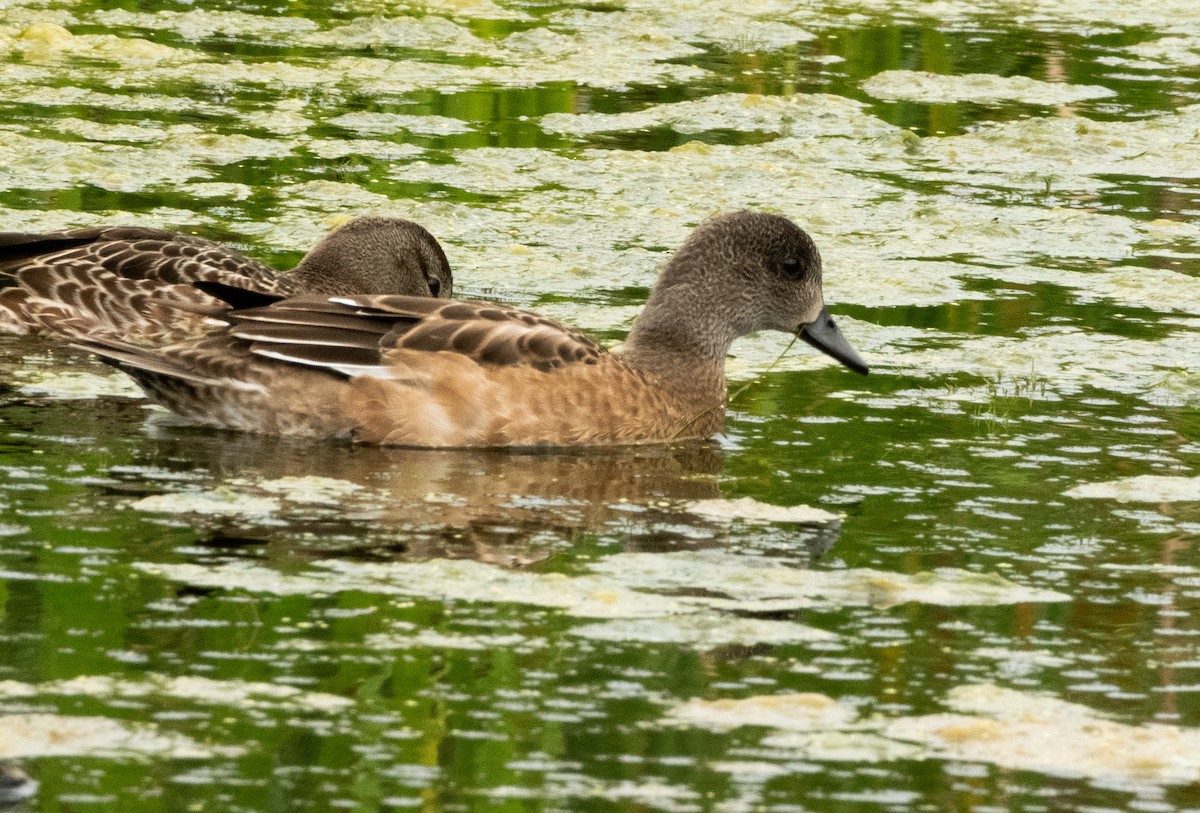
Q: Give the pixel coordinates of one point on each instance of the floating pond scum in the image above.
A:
(967, 581)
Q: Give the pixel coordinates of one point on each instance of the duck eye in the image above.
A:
(435, 286)
(791, 267)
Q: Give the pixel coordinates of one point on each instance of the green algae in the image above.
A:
(979, 88)
(1014, 729)
(796, 116)
(1154, 488)
(48, 735)
(617, 589)
(751, 580)
(704, 631)
(748, 509)
(1004, 727)
(240, 694)
(74, 385)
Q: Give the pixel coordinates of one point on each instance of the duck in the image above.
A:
(422, 372)
(138, 284)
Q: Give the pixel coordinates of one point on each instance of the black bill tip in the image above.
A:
(824, 335)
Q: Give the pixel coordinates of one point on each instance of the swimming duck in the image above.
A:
(423, 372)
(138, 284)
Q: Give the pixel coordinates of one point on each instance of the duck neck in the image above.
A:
(678, 340)
(313, 276)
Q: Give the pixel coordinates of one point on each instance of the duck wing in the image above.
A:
(132, 282)
(134, 252)
(373, 335)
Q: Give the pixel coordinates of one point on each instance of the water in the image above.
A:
(998, 608)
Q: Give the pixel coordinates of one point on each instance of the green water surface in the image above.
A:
(1000, 613)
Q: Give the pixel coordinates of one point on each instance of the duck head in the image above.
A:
(378, 255)
(753, 271)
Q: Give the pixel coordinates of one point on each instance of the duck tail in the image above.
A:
(141, 363)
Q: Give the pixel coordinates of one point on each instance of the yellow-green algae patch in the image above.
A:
(433, 639)
(239, 497)
(1154, 488)
(737, 29)
(52, 735)
(1058, 361)
(751, 579)
(198, 24)
(69, 95)
(1180, 51)
(473, 9)
(802, 114)
(806, 711)
(377, 123)
(616, 590)
(74, 385)
(438, 579)
(46, 41)
(703, 631)
(1059, 16)
(386, 150)
(143, 132)
(980, 88)
(1021, 731)
(58, 219)
(218, 501)
(1073, 153)
(182, 154)
(992, 725)
(206, 691)
(749, 509)
(311, 490)
(216, 189)
(429, 32)
(808, 724)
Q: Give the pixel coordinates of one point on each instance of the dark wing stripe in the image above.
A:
(324, 319)
(328, 337)
(235, 295)
(346, 360)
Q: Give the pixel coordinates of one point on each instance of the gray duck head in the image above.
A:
(737, 274)
(376, 255)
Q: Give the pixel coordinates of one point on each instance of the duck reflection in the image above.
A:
(509, 508)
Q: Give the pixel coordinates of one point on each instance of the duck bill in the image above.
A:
(824, 335)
